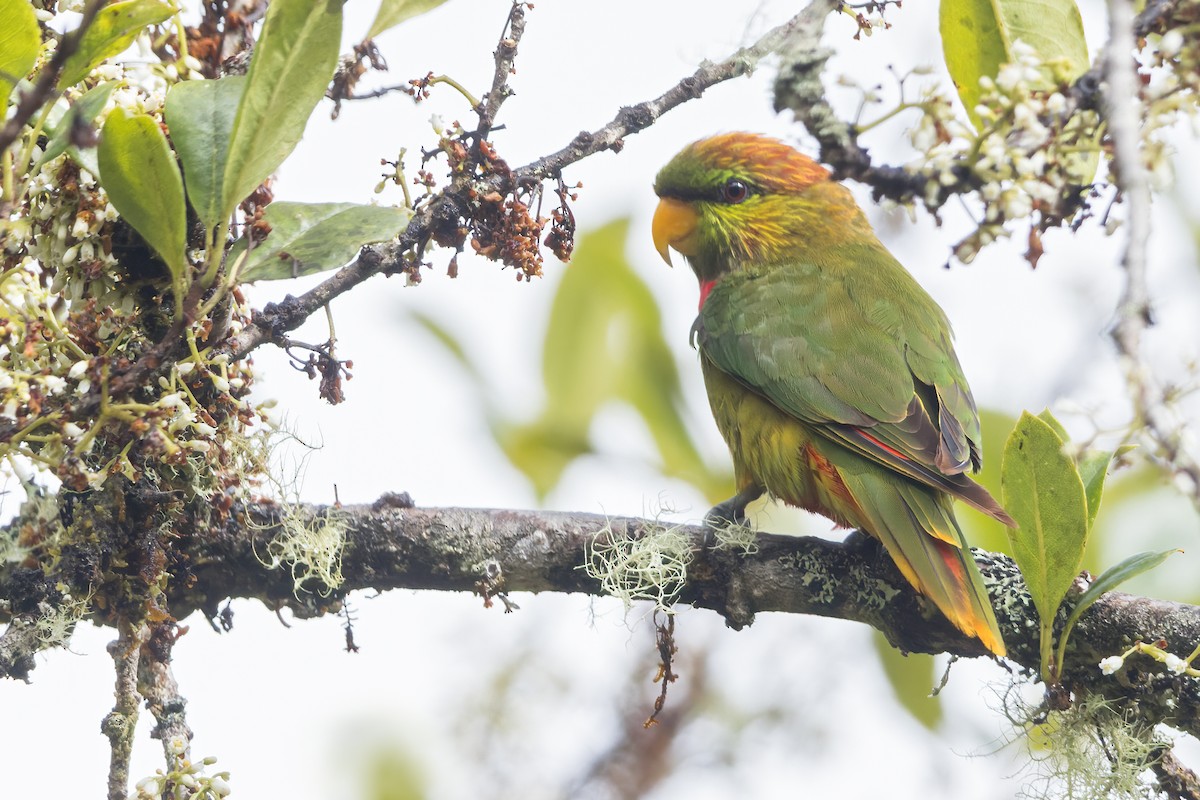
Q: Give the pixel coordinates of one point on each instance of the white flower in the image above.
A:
(84, 386)
(220, 384)
(178, 745)
(1175, 664)
(80, 228)
(185, 368)
(55, 384)
(204, 429)
(1111, 664)
(220, 786)
(1171, 43)
(78, 368)
(72, 431)
(171, 401)
(150, 787)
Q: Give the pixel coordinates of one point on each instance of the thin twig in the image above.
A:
(32, 101)
(120, 723)
(506, 53)
(275, 320)
(1161, 424)
(1174, 777)
(157, 683)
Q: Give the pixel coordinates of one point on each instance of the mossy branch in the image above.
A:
(389, 545)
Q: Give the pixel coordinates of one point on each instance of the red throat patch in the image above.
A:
(705, 288)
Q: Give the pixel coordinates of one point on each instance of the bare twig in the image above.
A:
(1162, 425)
(506, 53)
(277, 319)
(32, 101)
(120, 723)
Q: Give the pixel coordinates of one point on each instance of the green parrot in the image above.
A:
(831, 373)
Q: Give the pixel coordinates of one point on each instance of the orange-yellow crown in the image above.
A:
(775, 166)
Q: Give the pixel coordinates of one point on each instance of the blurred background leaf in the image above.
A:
(604, 343)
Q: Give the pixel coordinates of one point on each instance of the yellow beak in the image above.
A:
(674, 226)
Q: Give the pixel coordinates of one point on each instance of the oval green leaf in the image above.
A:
(1093, 468)
(977, 38)
(604, 343)
(292, 65)
(393, 12)
(139, 173)
(1111, 578)
(113, 29)
(200, 116)
(1045, 495)
(310, 238)
(19, 44)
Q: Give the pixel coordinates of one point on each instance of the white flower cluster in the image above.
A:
(1035, 153)
(186, 779)
(1029, 154)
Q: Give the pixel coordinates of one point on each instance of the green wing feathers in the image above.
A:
(918, 529)
(855, 352)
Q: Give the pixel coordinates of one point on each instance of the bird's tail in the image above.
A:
(917, 527)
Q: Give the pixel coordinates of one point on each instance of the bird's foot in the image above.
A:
(729, 513)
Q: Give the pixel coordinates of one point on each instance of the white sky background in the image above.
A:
(291, 715)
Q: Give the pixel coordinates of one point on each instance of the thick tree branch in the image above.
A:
(389, 546)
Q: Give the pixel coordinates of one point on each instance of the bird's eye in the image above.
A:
(734, 191)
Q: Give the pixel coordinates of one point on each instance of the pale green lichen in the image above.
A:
(1088, 751)
(652, 566)
(55, 628)
(312, 548)
(732, 536)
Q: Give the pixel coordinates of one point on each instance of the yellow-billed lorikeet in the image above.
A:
(831, 373)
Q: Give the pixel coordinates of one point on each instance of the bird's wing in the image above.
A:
(864, 356)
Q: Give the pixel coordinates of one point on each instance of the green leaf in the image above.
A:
(393, 12)
(911, 676)
(604, 343)
(293, 62)
(200, 117)
(309, 238)
(82, 112)
(1053, 422)
(1045, 495)
(1111, 578)
(20, 41)
(113, 29)
(139, 173)
(977, 38)
(1093, 467)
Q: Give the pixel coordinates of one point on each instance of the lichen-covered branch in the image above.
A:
(120, 723)
(166, 704)
(389, 546)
